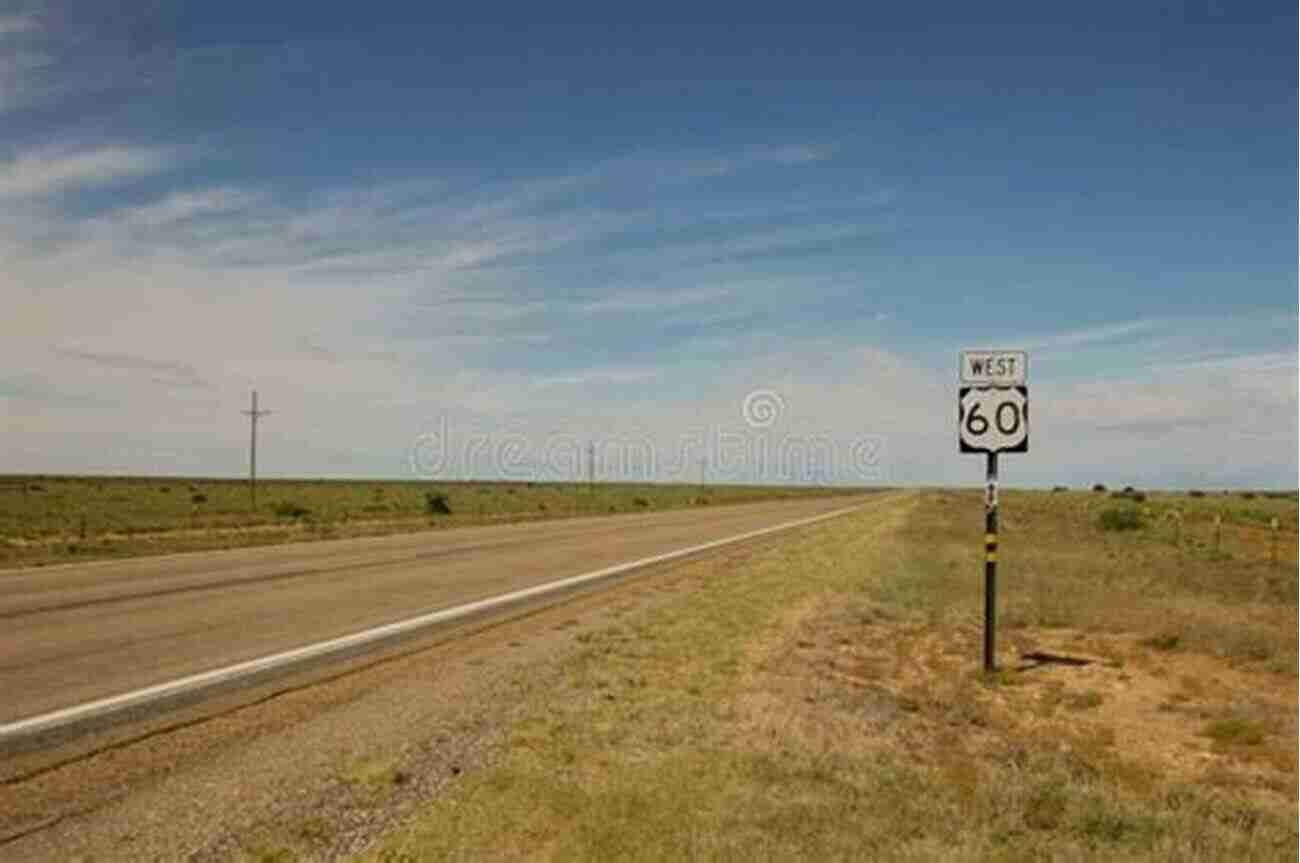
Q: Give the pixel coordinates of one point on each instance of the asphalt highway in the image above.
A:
(76, 633)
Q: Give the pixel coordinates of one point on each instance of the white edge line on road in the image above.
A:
(182, 685)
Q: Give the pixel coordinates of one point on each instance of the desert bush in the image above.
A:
(1196, 492)
(1248, 495)
(291, 509)
(640, 501)
(1120, 518)
(1060, 488)
(198, 498)
(1099, 487)
(435, 502)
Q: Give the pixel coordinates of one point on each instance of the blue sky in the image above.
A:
(413, 229)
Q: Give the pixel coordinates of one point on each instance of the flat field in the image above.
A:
(823, 699)
(59, 519)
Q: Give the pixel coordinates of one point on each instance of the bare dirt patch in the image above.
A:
(850, 676)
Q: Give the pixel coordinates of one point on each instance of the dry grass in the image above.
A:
(66, 518)
(823, 701)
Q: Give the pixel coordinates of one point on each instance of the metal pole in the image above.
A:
(253, 414)
(991, 563)
(252, 455)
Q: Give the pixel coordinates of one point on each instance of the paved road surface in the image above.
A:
(70, 634)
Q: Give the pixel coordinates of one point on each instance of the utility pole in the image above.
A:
(253, 414)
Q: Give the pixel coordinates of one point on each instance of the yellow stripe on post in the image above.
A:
(991, 556)
(990, 538)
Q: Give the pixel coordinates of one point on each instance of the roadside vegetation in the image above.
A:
(822, 699)
(59, 519)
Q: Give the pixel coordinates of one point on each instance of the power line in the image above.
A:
(253, 415)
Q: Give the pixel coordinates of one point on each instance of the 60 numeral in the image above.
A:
(1006, 417)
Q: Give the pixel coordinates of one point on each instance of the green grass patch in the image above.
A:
(1234, 732)
(53, 519)
(1120, 518)
(737, 720)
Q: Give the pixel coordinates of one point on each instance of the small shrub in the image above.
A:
(36, 487)
(1163, 641)
(1128, 489)
(1084, 700)
(640, 501)
(1248, 495)
(1236, 731)
(1056, 489)
(290, 509)
(1196, 492)
(1120, 518)
(165, 489)
(198, 498)
(435, 502)
(1099, 487)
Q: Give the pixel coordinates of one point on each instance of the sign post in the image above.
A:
(991, 562)
(992, 418)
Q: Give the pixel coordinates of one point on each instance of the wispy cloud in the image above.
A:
(1265, 363)
(11, 25)
(182, 206)
(601, 377)
(165, 372)
(21, 65)
(628, 302)
(36, 175)
(1091, 335)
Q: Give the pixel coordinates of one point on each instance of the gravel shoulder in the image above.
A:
(319, 771)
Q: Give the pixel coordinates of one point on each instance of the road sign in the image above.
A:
(993, 419)
(994, 368)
